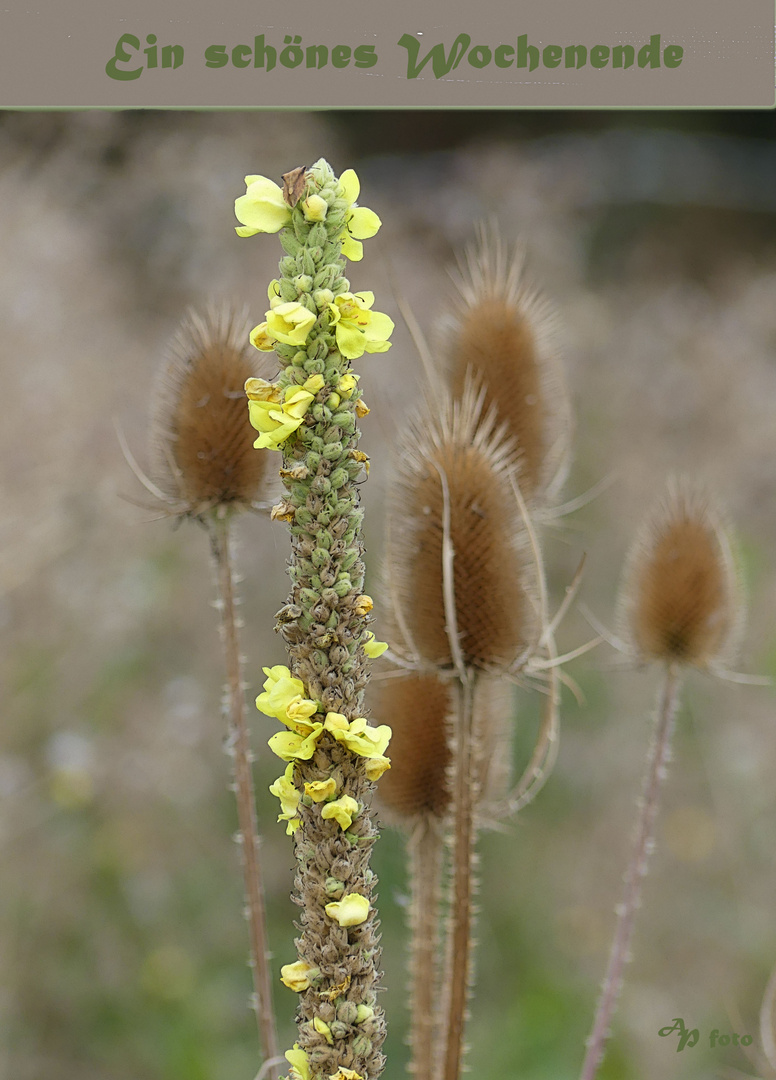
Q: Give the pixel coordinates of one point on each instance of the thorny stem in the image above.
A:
(425, 850)
(459, 944)
(657, 763)
(246, 802)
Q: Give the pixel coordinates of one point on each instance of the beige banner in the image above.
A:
(704, 53)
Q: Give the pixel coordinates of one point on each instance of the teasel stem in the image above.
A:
(240, 752)
(426, 856)
(459, 941)
(657, 764)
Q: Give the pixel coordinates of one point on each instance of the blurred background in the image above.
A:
(122, 949)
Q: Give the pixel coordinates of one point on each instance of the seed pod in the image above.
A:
(680, 598)
(202, 453)
(505, 335)
(458, 546)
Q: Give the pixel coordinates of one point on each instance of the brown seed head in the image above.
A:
(417, 709)
(505, 335)
(202, 453)
(680, 599)
(420, 709)
(456, 532)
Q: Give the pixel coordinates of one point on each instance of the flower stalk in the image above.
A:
(239, 749)
(657, 766)
(317, 326)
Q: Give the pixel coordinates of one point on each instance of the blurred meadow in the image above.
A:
(122, 949)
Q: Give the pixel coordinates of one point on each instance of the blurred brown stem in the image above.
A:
(458, 966)
(426, 852)
(239, 745)
(657, 762)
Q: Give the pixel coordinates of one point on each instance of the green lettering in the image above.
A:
(121, 56)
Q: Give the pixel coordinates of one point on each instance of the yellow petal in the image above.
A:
(318, 790)
(374, 648)
(323, 1029)
(376, 766)
(297, 976)
(343, 811)
(363, 223)
(300, 1065)
(262, 208)
(350, 186)
(262, 339)
(351, 910)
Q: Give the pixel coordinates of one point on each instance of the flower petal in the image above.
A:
(352, 249)
(262, 207)
(350, 186)
(363, 223)
(351, 910)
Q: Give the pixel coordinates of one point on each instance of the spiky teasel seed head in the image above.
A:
(421, 709)
(505, 335)
(459, 575)
(202, 454)
(680, 601)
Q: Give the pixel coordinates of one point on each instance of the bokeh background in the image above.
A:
(122, 949)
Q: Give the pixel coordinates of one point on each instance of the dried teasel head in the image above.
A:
(417, 708)
(461, 584)
(506, 335)
(202, 453)
(680, 601)
(421, 711)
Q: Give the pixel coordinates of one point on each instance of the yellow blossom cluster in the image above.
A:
(283, 699)
(263, 209)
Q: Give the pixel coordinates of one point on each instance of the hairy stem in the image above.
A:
(425, 851)
(239, 745)
(459, 943)
(657, 762)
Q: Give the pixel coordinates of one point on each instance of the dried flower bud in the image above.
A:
(202, 454)
(680, 599)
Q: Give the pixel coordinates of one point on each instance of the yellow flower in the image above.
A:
(262, 209)
(323, 1029)
(300, 1066)
(289, 797)
(297, 976)
(318, 790)
(364, 1012)
(356, 327)
(358, 736)
(275, 421)
(342, 811)
(351, 910)
(261, 338)
(347, 384)
(376, 766)
(360, 223)
(283, 699)
(374, 648)
(261, 390)
(290, 323)
(292, 747)
(363, 604)
(345, 1074)
(315, 208)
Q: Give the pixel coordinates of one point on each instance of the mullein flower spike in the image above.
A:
(317, 325)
